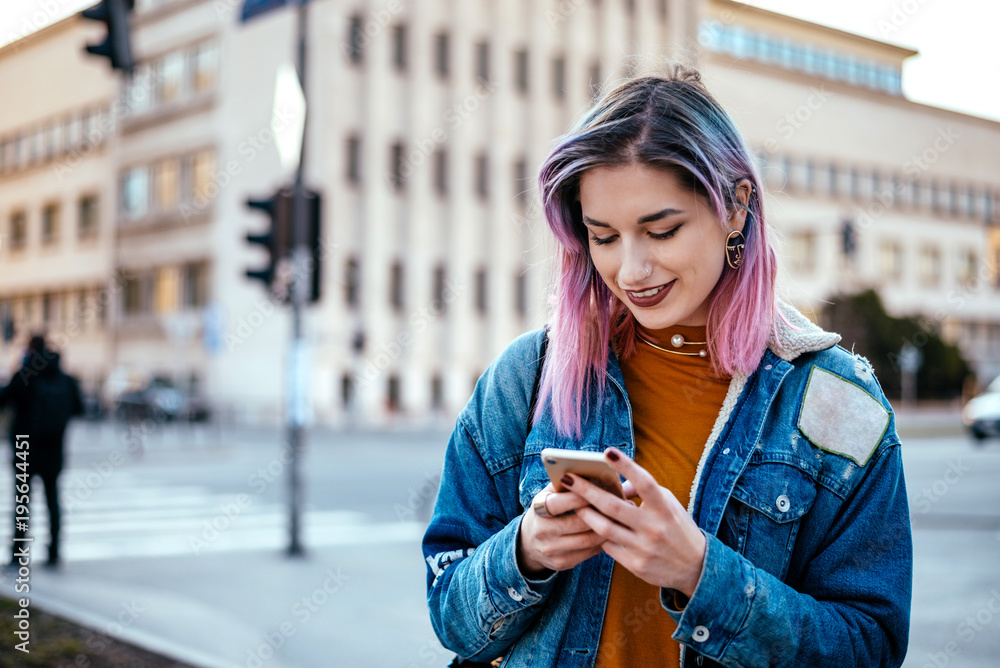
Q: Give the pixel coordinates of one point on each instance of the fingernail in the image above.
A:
(566, 480)
(612, 455)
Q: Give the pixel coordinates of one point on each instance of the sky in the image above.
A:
(958, 66)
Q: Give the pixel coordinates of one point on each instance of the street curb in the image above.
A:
(141, 639)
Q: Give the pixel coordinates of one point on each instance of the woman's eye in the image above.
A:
(665, 235)
(599, 241)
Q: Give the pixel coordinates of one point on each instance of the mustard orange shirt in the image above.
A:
(675, 401)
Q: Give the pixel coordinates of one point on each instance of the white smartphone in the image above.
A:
(589, 465)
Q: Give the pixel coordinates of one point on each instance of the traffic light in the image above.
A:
(277, 275)
(314, 232)
(116, 46)
(276, 239)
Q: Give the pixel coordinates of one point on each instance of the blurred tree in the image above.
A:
(867, 329)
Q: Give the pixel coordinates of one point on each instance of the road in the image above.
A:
(181, 547)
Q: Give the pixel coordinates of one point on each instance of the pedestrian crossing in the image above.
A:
(136, 514)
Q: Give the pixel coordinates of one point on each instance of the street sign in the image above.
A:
(252, 8)
(288, 120)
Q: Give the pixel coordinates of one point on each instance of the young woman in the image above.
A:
(767, 523)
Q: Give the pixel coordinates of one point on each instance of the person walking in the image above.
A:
(44, 399)
(766, 522)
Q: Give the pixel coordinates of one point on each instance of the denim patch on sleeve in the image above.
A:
(842, 417)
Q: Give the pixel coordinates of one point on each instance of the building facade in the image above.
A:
(426, 126)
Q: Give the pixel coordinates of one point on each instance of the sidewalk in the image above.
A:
(258, 609)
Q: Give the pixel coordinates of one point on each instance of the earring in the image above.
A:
(735, 244)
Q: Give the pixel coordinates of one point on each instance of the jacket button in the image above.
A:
(700, 634)
(783, 503)
(514, 594)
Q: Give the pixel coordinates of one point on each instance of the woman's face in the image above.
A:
(639, 216)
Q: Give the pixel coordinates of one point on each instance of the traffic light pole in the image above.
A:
(297, 401)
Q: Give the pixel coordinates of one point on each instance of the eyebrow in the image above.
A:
(649, 218)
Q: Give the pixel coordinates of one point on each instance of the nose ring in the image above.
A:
(648, 270)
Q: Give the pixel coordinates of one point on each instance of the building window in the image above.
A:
(953, 200)
(929, 266)
(135, 192)
(355, 39)
(194, 285)
(439, 287)
(833, 180)
(50, 308)
(855, 185)
(353, 159)
(396, 286)
(802, 251)
(166, 184)
(204, 66)
(970, 202)
(891, 260)
(594, 82)
(437, 392)
(352, 280)
(916, 195)
(169, 78)
(935, 198)
(521, 293)
(392, 398)
(18, 231)
(483, 62)
(809, 175)
(399, 47)
(87, 220)
(442, 47)
(346, 389)
(521, 185)
(50, 224)
(441, 171)
(481, 291)
(52, 143)
(396, 166)
(166, 290)
(482, 176)
(137, 295)
(521, 70)
(203, 189)
(559, 77)
(967, 263)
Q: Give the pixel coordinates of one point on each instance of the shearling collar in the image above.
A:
(788, 343)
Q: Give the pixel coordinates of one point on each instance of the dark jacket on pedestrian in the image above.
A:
(43, 398)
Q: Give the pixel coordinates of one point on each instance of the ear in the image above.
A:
(738, 217)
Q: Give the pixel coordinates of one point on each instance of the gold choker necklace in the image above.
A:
(677, 341)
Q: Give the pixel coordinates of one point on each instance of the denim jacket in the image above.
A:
(799, 492)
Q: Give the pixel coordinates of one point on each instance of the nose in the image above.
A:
(633, 272)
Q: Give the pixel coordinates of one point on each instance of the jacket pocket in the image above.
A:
(767, 506)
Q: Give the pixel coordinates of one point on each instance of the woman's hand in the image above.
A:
(657, 541)
(557, 541)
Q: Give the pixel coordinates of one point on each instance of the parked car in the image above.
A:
(982, 414)
(136, 396)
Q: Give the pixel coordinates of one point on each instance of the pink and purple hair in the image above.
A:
(673, 123)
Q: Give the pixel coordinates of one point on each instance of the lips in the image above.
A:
(650, 300)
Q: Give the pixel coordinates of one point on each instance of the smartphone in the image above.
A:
(589, 465)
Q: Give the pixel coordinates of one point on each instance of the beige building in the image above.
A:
(425, 132)
(58, 158)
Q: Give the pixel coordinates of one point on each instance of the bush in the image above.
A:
(867, 329)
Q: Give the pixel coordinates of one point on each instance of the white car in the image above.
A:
(982, 414)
